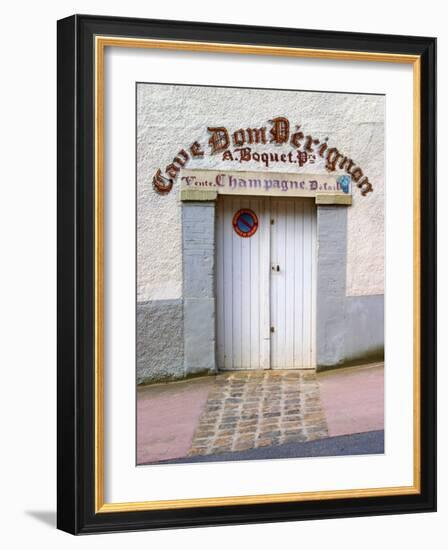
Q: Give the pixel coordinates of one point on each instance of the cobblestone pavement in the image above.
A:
(246, 410)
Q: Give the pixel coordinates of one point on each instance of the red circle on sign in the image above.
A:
(245, 222)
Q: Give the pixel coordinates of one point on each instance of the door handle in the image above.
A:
(275, 267)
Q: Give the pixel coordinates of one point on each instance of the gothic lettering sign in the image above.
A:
(277, 184)
(237, 147)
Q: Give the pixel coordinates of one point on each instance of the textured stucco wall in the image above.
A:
(171, 117)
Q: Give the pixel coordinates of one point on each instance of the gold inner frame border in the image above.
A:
(100, 44)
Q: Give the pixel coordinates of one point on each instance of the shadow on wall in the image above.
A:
(360, 332)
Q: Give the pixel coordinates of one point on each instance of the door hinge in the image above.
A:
(272, 329)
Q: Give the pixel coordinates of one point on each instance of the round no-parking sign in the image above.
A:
(245, 222)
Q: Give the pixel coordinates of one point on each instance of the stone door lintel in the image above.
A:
(199, 195)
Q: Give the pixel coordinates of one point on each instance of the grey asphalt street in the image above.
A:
(356, 444)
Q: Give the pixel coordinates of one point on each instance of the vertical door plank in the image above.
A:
(245, 243)
(228, 285)
(307, 285)
(273, 283)
(280, 276)
(313, 285)
(255, 288)
(237, 298)
(289, 281)
(220, 298)
(265, 284)
(298, 290)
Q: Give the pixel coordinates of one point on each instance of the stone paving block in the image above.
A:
(250, 409)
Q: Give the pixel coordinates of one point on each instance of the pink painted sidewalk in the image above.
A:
(353, 399)
(167, 415)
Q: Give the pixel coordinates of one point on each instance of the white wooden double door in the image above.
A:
(266, 285)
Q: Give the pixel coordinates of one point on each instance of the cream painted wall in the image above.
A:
(172, 117)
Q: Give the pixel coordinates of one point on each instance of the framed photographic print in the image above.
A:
(246, 274)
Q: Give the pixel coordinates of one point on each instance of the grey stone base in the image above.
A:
(160, 347)
(358, 330)
(364, 333)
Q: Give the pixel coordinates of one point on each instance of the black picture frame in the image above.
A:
(76, 474)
